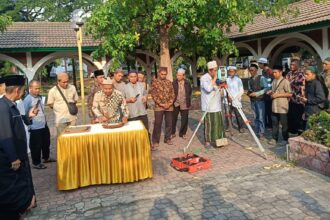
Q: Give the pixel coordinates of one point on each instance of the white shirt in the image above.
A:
(210, 97)
(235, 87)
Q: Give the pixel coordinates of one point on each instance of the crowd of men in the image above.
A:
(275, 100)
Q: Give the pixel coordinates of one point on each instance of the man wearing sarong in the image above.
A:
(16, 187)
(109, 104)
(211, 103)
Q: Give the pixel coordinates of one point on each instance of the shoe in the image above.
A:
(154, 146)
(169, 142)
(261, 136)
(40, 166)
(173, 136)
(271, 142)
(183, 137)
(242, 130)
(49, 160)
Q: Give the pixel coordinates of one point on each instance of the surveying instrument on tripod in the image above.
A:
(223, 88)
(236, 104)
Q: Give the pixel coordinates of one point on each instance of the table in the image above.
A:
(103, 156)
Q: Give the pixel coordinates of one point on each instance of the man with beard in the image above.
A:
(17, 194)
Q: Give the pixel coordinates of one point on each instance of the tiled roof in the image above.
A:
(61, 34)
(41, 35)
(310, 13)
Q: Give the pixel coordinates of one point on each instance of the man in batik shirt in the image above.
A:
(162, 93)
(109, 105)
(296, 107)
(98, 78)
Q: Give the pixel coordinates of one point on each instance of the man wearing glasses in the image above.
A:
(98, 79)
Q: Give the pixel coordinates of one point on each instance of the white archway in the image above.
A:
(300, 36)
(42, 62)
(248, 47)
(291, 44)
(14, 61)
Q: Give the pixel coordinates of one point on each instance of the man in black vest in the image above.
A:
(182, 102)
(257, 87)
(16, 188)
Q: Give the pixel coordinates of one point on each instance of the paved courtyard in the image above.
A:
(240, 184)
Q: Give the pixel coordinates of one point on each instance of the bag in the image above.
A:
(73, 109)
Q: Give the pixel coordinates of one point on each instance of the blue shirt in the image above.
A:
(39, 121)
(210, 96)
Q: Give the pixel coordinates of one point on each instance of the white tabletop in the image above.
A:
(98, 129)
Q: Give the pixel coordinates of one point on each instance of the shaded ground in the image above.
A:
(240, 185)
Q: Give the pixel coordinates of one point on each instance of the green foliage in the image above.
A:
(196, 27)
(319, 129)
(4, 22)
(44, 10)
(5, 68)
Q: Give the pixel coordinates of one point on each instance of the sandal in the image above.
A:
(40, 166)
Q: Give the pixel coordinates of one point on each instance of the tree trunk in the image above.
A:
(194, 71)
(165, 58)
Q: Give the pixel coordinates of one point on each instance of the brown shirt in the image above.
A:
(280, 105)
(162, 92)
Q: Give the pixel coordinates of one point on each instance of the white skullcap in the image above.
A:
(107, 81)
(181, 70)
(231, 68)
(263, 60)
(212, 65)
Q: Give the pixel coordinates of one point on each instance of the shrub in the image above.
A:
(318, 129)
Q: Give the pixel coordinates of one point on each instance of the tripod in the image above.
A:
(237, 105)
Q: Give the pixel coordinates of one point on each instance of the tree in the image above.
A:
(159, 25)
(44, 10)
(4, 22)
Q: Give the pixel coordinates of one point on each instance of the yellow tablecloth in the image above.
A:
(103, 156)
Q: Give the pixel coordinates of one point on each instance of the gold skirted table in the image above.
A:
(103, 156)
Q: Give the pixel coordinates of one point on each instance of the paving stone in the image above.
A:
(236, 186)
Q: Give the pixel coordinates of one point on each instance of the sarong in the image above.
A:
(213, 127)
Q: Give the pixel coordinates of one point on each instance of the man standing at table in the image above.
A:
(98, 79)
(211, 103)
(109, 105)
(162, 93)
(117, 80)
(182, 102)
(63, 118)
(136, 98)
(39, 131)
(17, 192)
